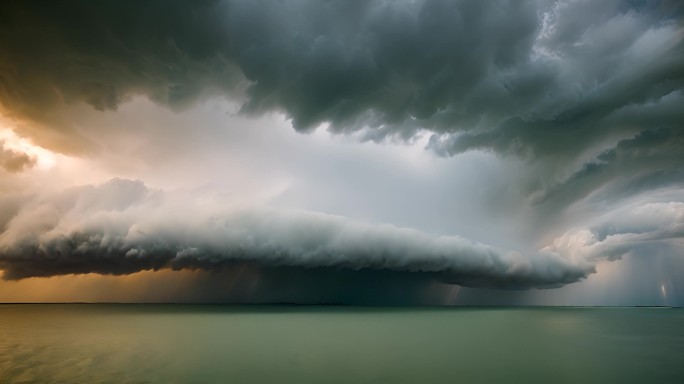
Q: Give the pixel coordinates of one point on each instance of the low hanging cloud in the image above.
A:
(629, 229)
(530, 78)
(649, 161)
(588, 93)
(122, 227)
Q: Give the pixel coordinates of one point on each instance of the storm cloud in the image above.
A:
(122, 227)
(652, 160)
(521, 77)
(625, 230)
(554, 132)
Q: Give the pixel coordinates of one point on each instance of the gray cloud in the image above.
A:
(122, 227)
(648, 161)
(553, 83)
(633, 228)
(587, 94)
(513, 76)
(349, 63)
(58, 54)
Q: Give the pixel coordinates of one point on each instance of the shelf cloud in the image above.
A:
(122, 227)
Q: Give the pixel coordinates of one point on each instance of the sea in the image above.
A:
(160, 343)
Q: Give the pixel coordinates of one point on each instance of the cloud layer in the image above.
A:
(122, 227)
(570, 111)
(625, 230)
(523, 77)
(588, 92)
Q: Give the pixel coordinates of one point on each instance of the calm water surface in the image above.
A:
(219, 344)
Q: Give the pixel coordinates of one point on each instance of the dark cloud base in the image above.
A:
(122, 227)
(597, 85)
(241, 282)
(547, 81)
(521, 77)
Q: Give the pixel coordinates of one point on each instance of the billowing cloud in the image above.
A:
(122, 227)
(650, 161)
(14, 161)
(625, 230)
(521, 77)
(570, 111)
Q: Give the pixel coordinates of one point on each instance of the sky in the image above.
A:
(410, 152)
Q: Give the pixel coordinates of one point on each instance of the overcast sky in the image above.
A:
(363, 152)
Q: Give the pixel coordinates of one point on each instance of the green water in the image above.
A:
(221, 344)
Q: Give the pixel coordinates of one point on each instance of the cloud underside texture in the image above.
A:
(550, 82)
(122, 227)
(594, 83)
(519, 77)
